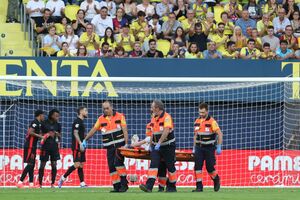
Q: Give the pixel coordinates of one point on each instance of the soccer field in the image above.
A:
(135, 193)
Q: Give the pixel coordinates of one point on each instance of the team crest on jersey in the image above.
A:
(118, 126)
(207, 129)
(161, 128)
(33, 125)
(77, 125)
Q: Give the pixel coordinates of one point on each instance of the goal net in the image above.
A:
(260, 122)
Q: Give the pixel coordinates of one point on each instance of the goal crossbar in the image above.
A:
(151, 79)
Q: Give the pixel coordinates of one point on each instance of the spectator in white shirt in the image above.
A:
(154, 23)
(35, 8)
(71, 39)
(102, 21)
(146, 7)
(91, 9)
(57, 8)
(280, 22)
(111, 6)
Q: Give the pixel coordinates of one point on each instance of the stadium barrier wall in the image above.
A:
(258, 168)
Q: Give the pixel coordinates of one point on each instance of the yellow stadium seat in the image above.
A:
(71, 11)
(164, 46)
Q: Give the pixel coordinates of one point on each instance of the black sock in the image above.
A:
(69, 171)
(31, 170)
(24, 173)
(41, 175)
(124, 180)
(53, 174)
(80, 174)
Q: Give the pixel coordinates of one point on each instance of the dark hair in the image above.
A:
(47, 9)
(64, 17)
(289, 26)
(283, 42)
(155, 16)
(182, 36)
(172, 13)
(250, 40)
(203, 106)
(103, 7)
(62, 44)
(112, 38)
(193, 43)
(38, 113)
(104, 43)
(109, 102)
(141, 14)
(152, 40)
(270, 27)
(81, 10)
(224, 13)
(80, 109)
(266, 44)
(159, 104)
(221, 23)
(51, 112)
(230, 43)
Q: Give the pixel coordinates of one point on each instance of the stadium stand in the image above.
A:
(13, 42)
(221, 21)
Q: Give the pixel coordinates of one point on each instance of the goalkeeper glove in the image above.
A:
(219, 149)
(83, 143)
(157, 147)
(82, 147)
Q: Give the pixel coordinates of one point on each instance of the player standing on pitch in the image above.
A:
(206, 134)
(52, 130)
(114, 132)
(32, 136)
(164, 147)
(78, 134)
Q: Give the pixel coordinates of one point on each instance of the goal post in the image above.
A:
(259, 117)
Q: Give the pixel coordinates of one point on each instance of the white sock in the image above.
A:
(20, 182)
(82, 183)
(63, 178)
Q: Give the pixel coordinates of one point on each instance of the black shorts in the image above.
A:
(53, 153)
(78, 156)
(29, 155)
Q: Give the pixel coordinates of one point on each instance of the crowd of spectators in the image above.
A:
(204, 29)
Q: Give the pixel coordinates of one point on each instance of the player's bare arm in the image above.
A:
(31, 132)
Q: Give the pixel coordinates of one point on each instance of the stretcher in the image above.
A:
(140, 153)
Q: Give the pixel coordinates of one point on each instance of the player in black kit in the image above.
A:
(51, 129)
(78, 135)
(32, 136)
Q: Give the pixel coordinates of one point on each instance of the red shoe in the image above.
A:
(20, 185)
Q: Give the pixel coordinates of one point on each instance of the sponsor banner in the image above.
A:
(235, 167)
(94, 67)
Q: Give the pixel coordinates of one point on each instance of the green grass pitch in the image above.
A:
(135, 193)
